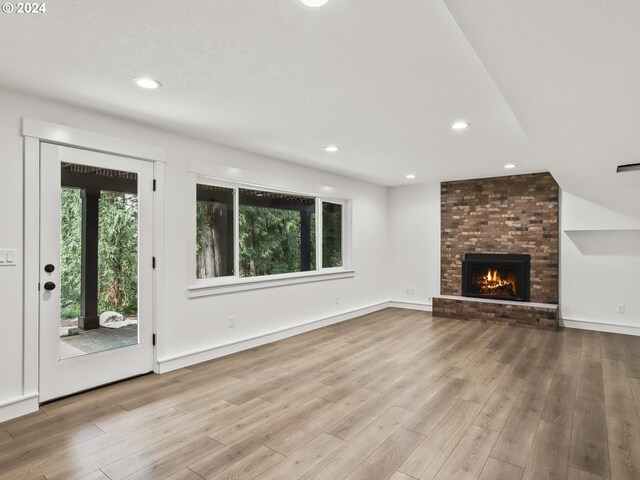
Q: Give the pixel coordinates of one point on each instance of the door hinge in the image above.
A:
(154, 184)
(153, 262)
(38, 286)
(153, 339)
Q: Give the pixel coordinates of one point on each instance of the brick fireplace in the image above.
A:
(494, 218)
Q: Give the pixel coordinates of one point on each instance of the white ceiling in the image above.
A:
(382, 79)
(570, 69)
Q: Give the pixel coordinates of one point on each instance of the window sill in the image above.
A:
(256, 283)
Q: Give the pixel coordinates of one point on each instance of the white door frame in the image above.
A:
(36, 131)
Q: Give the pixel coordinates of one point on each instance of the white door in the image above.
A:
(96, 289)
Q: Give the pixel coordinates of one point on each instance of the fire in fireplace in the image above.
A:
(497, 276)
(496, 282)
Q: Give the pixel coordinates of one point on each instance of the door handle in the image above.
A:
(49, 286)
(49, 268)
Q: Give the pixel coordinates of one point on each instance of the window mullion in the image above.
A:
(318, 234)
(236, 231)
(343, 236)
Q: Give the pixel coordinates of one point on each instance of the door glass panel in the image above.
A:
(98, 260)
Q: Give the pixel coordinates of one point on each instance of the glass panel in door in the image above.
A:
(98, 260)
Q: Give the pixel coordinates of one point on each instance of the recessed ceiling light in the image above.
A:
(314, 3)
(510, 165)
(148, 83)
(411, 176)
(461, 125)
(331, 149)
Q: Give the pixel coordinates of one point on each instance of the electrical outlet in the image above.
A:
(232, 321)
(621, 308)
(430, 299)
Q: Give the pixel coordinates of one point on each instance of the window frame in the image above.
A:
(319, 231)
(198, 287)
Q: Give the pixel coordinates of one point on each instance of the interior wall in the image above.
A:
(599, 265)
(197, 324)
(414, 243)
(11, 279)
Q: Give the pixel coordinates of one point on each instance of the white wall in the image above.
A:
(599, 265)
(10, 237)
(414, 243)
(192, 325)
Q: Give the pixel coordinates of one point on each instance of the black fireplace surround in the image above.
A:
(496, 276)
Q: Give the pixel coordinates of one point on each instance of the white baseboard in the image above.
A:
(600, 327)
(184, 360)
(16, 407)
(425, 307)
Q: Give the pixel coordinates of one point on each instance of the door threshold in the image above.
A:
(96, 388)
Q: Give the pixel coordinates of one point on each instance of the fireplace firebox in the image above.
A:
(496, 276)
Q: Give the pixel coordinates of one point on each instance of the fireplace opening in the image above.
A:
(496, 276)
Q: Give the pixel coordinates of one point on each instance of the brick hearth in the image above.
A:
(520, 314)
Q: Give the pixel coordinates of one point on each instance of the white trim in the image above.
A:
(233, 284)
(424, 307)
(550, 306)
(16, 407)
(185, 359)
(75, 137)
(600, 326)
(594, 230)
(232, 184)
(236, 234)
(159, 254)
(219, 182)
(319, 232)
(31, 266)
(347, 235)
(263, 180)
(192, 224)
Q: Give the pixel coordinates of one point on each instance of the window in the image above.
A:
(277, 233)
(331, 235)
(243, 232)
(214, 231)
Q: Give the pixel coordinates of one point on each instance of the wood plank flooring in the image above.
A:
(393, 395)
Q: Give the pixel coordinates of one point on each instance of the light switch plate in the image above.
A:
(7, 257)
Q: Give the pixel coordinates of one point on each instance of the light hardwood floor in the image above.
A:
(393, 395)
